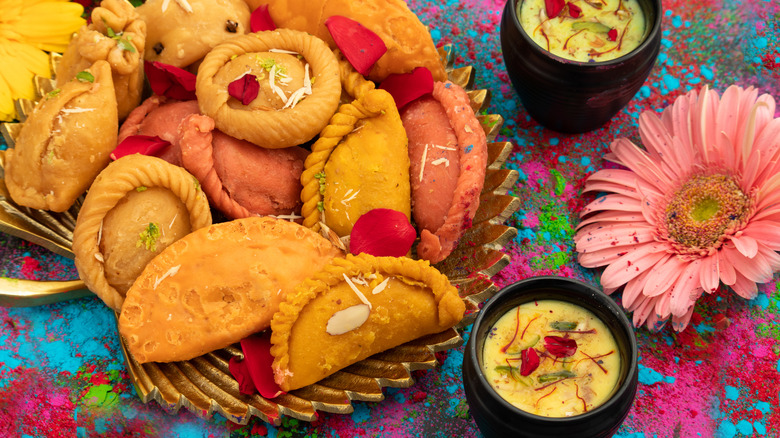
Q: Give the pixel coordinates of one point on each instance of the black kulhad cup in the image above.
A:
(496, 417)
(570, 96)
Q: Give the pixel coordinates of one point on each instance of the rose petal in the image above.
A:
(257, 366)
(169, 81)
(574, 10)
(530, 361)
(140, 144)
(244, 88)
(553, 7)
(408, 87)
(382, 232)
(360, 46)
(612, 35)
(560, 347)
(261, 20)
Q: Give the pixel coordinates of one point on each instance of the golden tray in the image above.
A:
(204, 385)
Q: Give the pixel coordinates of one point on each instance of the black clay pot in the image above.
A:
(569, 96)
(498, 418)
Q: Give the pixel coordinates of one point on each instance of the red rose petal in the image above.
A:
(261, 20)
(553, 7)
(382, 232)
(244, 88)
(140, 144)
(612, 34)
(408, 87)
(574, 10)
(560, 347)
(530, 362)
(169, 81)
(360, 46)
(256, 368)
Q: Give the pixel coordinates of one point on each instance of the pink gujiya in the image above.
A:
(448, 154)
(239, 178)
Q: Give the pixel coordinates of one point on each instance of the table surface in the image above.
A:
(62, 371)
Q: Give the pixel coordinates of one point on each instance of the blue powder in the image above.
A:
(361, 414)
(671, 83)
(760, 428)
(631, 435)
(585, 161)
(469, 148)
(732, 393)
(726, 430)
(706, 72)
(761, 300)
(435, 35)
(761, 42)
(744, 427)
(677, 21)
(561, 159)
(649, 376)
(763, 407)
(554, 141)
(452, 388)
(778, 366)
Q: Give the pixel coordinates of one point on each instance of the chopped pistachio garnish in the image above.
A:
(197, 183)
(141, 189)
(85, 76)
(321, 179)
(121, 41)
(53, 92)
(321, 206)
(148, 237)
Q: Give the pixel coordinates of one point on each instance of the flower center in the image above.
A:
(705, 209)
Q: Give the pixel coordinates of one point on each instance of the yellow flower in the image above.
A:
(28, 28)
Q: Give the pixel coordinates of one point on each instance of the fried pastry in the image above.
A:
(217, 286)
(299, 87)
(354, 308)
(137, 207)
(64, 143)
(448, 151)
(181, 32)
(115, 34)
(408, 42)
(360, 162)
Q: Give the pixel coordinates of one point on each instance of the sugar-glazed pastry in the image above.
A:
(64, 143)
(408, 42)
(115, 34)
(359, 162)
(137, 207)
(181, 32)
(354, 308)
(448, 154)
(299, 87)
(217, 286)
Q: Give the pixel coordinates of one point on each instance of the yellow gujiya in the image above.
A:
(585, 30)
(578, 359)
(360, 161)
(354, 308)
(115, 34)
(137, 206)
(65, 142)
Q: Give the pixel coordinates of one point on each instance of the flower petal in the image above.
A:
(408, 87)
(766, 232)
(643, 309)
(633, 289)
(686, 290)
(360, 45)
(612, 202)
(637, 160)
(632, 264)
(598, 236)
(659, 142)
(382, 232)
(680, 322)
(745, 288)
(709, 274)
(261, 20)
(612, 216)
(746, 245)
(755, 269)
(664, 275)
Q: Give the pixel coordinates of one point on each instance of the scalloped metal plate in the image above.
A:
(205, 386)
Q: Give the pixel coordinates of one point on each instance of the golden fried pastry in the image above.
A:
(296, 96)
(137, 206)
(181, 32)
(354, 308)
(360, 162)
(117, 35)
(443, 225)
(64, 143)
(217, 286)
(408, 41)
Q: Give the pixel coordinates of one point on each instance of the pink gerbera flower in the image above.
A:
(698, 206)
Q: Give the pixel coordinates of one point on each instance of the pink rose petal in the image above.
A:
(140, 144)
(240, 371)
(244, 88)
(530, 361)
(553, 7)
(382, 232)
(169, 81)
(574, 10)
(406, 88)
(612, 34)
(560, 347)
(261, 20)
(360, 45)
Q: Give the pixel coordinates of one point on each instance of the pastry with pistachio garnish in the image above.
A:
(275, 88)
(65, 142)
(217, 286)
(181, 32)
(137, 207)
(360, 162)
(115, 34)
(354, 308)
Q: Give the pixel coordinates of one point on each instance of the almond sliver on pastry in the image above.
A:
(354, 308)
(217, 286)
